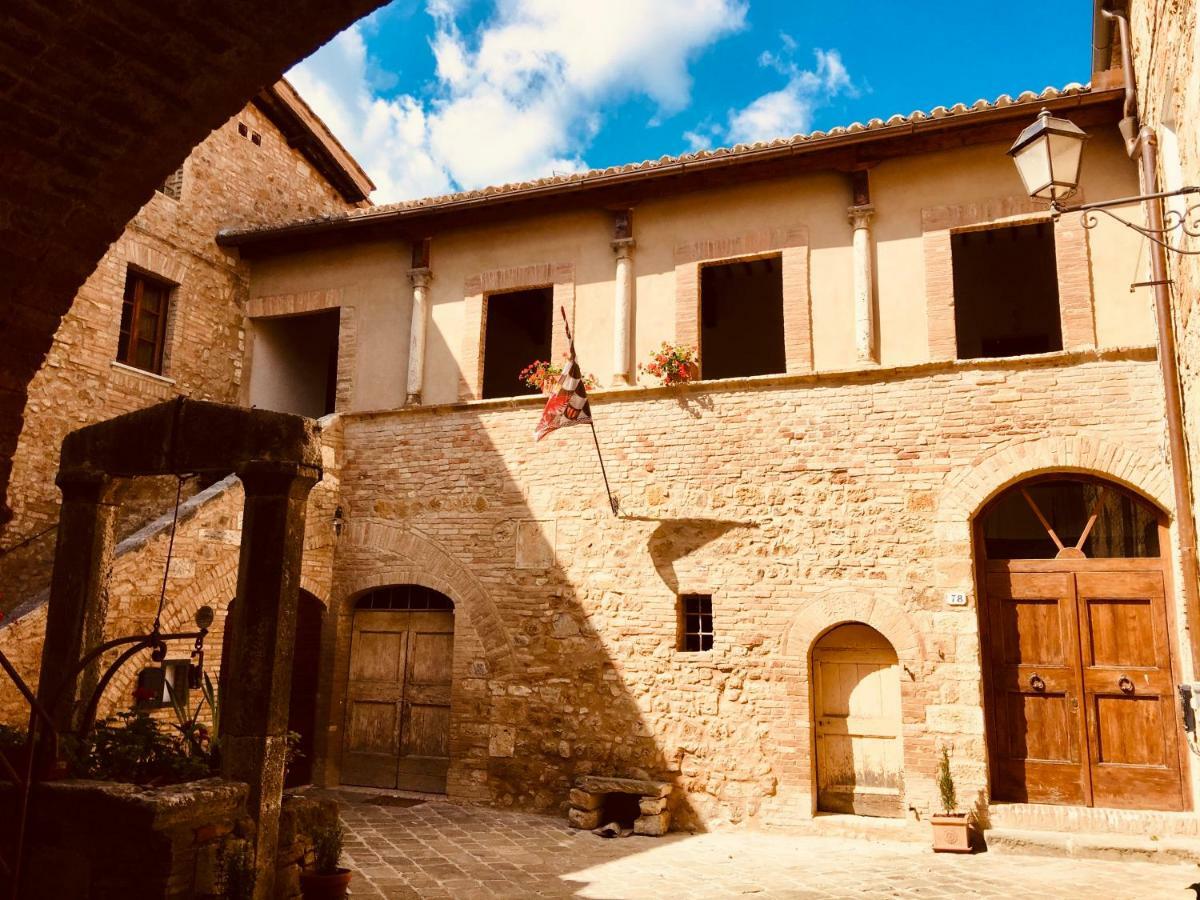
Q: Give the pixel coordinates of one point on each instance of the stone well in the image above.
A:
(592, 793)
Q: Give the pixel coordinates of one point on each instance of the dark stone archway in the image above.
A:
(99, 102)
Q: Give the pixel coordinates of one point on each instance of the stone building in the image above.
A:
(274, 162)
(917, 499)
(831, 559)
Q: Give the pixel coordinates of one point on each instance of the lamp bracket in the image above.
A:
(1186, 221)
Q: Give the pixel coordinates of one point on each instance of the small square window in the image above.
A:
(156, 684)
(242, 129)
(696, 623)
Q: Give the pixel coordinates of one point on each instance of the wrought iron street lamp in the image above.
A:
(1049, 154)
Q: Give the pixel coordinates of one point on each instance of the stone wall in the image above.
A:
(103, 840)
(203, 571)
(227, 181)
(1166, 50)
(799, 502)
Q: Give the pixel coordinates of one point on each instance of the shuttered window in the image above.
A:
(173, 186)
(143, 322)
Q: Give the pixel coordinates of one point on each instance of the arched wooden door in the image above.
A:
(1077, 648)
(856, 704)
(398, 697)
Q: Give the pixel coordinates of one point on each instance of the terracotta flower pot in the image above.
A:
(325, 887)
(951, 833)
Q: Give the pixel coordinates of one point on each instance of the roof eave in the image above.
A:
(383, 220)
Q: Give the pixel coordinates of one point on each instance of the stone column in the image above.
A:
(254, 705)
(416, 342)
(865, 330)
(78, 592)
(623, 313)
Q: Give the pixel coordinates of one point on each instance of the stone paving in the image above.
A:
(437, 849)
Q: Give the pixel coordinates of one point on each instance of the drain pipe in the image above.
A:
(1141, 143)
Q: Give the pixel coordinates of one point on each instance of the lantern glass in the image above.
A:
(1048, 155)
(1033, 164)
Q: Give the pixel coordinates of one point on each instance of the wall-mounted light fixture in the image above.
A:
(338, 521)
(1049, 154)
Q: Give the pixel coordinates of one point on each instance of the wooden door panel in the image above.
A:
(377, 656)
(1037, 740)
(433, 654)
(1047, 733)
(1129, 690)
(859, 759)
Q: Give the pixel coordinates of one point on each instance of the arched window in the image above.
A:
(406, 598)
(1069, 518)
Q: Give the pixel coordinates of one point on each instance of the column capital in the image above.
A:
(266, 477)
(860, 216)
(623, 247)
(420, 277)
(86, 484)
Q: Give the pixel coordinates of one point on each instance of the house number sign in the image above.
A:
(956, 598)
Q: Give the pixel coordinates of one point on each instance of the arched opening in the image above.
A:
(306, 675)
(398, 696)
(856, 712)
(1077, 656)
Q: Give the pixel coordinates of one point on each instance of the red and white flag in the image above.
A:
(569, 404)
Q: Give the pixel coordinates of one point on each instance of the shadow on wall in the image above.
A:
(676, 539)
(516, 539)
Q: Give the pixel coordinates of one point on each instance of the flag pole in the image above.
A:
(612, 501)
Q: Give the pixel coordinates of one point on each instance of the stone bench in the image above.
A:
(590, 792)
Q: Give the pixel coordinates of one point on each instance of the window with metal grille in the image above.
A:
(405, 598)
(695, 622)
(143, 322)
(173, 186)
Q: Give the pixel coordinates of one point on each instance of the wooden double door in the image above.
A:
(1081, 693)
(398, 700)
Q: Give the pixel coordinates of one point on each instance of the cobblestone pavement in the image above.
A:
(440, 850)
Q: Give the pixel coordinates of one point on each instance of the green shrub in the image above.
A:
(132, 747)
(945, 782)
(237, 872)
(11, 738)
(327, 848)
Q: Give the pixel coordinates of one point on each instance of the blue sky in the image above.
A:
(439, 95)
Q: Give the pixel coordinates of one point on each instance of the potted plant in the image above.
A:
(672, 364)
(326, 880)
(544, 376)
(951, 830)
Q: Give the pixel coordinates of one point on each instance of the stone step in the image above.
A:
(1085, 845)
(864, 827)
(1092, 820)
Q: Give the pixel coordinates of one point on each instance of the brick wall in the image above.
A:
(228, 181)
(1166, 44)
(799, 502)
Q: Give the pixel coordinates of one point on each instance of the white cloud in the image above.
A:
(789, 110)
(518, 98)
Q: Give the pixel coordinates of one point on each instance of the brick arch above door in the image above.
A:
(404, 556)
(869, 605)
(971, 487)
